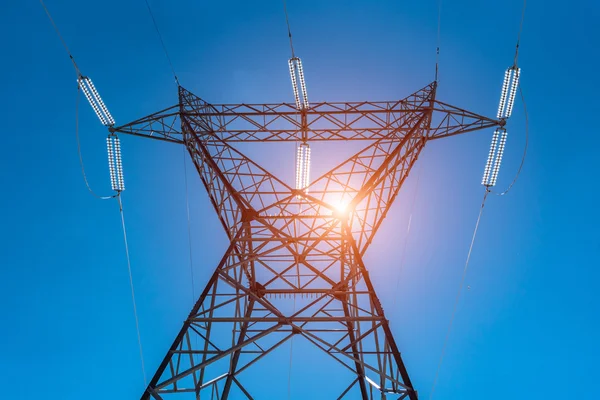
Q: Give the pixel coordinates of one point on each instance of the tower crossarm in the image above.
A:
(162, 125)
(362, 188)
(325, 121)
(448, 120)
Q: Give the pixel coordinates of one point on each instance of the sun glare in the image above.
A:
(341, 206)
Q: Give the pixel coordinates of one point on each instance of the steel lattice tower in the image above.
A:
(293, 244)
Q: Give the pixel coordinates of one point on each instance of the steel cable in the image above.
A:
(460, 288)
(135, 313)
(162, 43)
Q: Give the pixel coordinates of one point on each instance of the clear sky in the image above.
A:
(528, 325)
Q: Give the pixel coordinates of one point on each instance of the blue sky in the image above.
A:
(527, 327)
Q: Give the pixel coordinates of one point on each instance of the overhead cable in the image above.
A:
(162, 42)
(456, 300)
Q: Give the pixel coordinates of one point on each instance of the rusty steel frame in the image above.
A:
(287, 243)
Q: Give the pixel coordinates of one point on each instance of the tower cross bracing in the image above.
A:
(302, 244)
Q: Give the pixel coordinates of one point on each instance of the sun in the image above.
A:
(341, 206)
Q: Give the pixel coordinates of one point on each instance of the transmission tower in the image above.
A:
(295, 245)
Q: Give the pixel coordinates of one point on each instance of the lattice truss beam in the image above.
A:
(325, 121)
(294, 267)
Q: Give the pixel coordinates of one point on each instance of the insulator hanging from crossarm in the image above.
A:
(297, 76)
(303, 167)
(91, 94)
(119, 165)
(499, 155)
(509, 91)
(492, 166)
(115, 165)
(488, 165)
(294, 84)
(111, 163)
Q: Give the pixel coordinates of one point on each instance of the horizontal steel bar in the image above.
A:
(287, 320)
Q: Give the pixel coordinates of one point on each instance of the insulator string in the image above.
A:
(514, 85)
(525, 148)
(86, 85)
(87, 184)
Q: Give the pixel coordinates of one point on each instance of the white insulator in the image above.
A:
(111, 163)
(302, 84)
(486, 181)
(119, 165)
(499, 155)
(294, 82)
(115, 165)
(504, 93)
(513, 92)
(297, 76)
(90, 99)
(91, 94)
(306, 169)
(303, 167)
(509, 91)
(105, 111)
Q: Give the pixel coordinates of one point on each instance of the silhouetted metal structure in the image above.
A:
(286, 243)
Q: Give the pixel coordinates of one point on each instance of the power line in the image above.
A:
(403, 256)
(61, 38)
(189, 231)
(437, 50)
(460, 287)
(189, 228)
(287, 21)
(135, 313)
(520, 30)
(117, 195)
(487, 191)
(162, 43)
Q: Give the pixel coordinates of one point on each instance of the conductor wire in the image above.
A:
(189, 231)
(61, 38)
(520, 30)
(162, 43)
(189, 225)
(460, 288)
(287, 21)
(403, 257)
(437, 50)
(135, 313)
